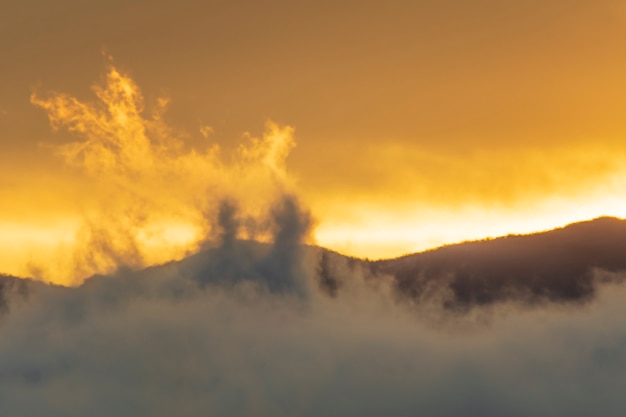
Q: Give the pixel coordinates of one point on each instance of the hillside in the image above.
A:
(554, 265)
(561, 265)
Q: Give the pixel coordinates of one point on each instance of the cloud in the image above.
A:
(206, 131)
(152, 197)
(248, 329)
(10, 288)
(276, 328)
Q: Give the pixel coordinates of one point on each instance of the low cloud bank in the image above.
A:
(248, 329)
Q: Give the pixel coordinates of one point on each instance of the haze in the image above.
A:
(417, 123)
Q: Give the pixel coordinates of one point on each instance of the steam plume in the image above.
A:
(155, 196)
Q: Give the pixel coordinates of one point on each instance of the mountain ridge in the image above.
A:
(565, 264)
(558, 264)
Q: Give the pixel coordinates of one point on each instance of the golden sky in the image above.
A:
(416, 123)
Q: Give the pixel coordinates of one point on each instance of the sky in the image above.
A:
(401, 125)
(133, 134)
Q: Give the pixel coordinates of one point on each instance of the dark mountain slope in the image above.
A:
(555, 265)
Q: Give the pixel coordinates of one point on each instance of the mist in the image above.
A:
(243, 328)
(152, 191)
(195, 290)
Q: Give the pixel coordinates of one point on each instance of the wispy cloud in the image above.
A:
(157, 197)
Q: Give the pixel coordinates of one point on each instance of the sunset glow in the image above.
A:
(446, 145)
(130, 156)
(326, 208)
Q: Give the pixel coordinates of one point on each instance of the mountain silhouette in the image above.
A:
(561, 265)
(558, 265)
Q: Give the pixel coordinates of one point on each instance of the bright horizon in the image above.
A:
(400, 128)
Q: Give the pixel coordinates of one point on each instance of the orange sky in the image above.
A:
(417, 123)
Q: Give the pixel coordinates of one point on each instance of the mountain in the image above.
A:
(558, 265)
(561, 265)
